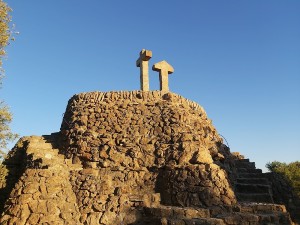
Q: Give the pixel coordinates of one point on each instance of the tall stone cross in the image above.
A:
(142, 62)
(164, 70)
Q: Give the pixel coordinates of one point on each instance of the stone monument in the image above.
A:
(162, 67)
(134, 157)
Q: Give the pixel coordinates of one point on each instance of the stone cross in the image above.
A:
(142, 62)
(164, 70)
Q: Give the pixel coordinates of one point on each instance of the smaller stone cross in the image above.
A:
(164, 70)
(142, 62)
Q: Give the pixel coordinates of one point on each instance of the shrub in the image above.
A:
(291, 172)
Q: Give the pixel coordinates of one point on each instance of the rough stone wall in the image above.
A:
(12, 168)
(135, 146)
(196, 186)
(106, 197)
(137, 129)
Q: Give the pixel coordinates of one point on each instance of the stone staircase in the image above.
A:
(250, 214)
(251, 184)
(43, 153)
(46, 189)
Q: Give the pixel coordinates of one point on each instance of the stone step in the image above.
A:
(252, 188)
(196, 221)
(45, 154)
(242, 160)
(250, 214)
(242, 164)
(239, 218)
(52, 139)
(247, 207)
(252, 181)
(279, 218)
(250, 197)
(169, 221)
(40, 145)
(261, 208)
(176, 212)
(247, 170)
(52, 136)
(251, 175)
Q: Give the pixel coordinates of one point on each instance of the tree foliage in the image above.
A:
(291, 172)
(5, 31)
(5, 133)
(5, 116)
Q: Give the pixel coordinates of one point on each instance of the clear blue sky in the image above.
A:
(240, 60)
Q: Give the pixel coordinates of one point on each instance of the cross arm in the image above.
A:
(145, 55)
(163, 66)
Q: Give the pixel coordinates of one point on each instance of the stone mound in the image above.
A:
(134, 158)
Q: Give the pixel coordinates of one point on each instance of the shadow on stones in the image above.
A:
(135, 216)
(15, 164)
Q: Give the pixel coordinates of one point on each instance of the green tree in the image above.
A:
(5, 133)
(291, 172)
(5, 116)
